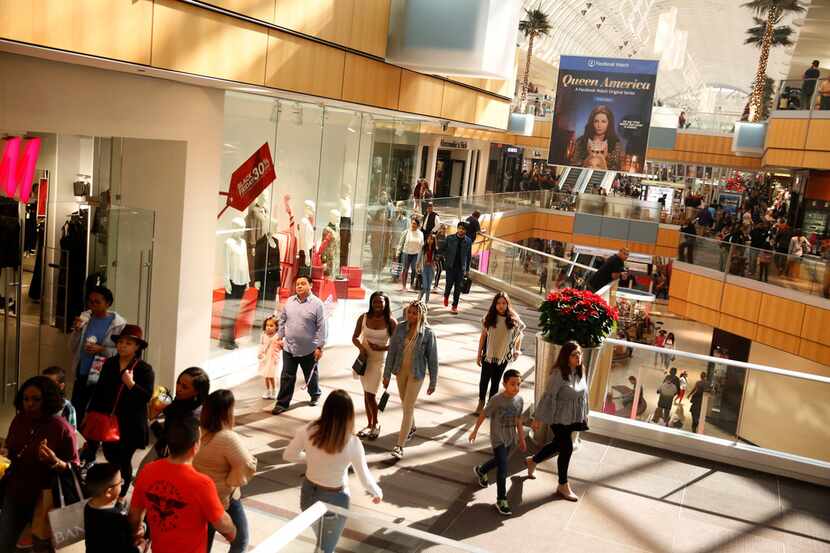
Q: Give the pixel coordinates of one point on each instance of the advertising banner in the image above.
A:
(602, 113)
(250, 179)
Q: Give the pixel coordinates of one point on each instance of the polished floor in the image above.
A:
(633, 498)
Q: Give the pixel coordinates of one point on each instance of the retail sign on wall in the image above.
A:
(602, 113)
(17, 169)
(250, 179)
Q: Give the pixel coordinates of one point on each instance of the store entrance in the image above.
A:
(63, 239)
(449, 174)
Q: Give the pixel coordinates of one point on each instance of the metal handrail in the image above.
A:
(537, 252)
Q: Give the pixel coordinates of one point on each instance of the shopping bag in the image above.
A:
(67, 521)
(419, 281)
(397, 269)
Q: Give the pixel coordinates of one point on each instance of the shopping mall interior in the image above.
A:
(664, 162)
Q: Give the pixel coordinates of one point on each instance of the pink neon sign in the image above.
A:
(16, 173)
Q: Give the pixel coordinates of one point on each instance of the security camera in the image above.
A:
(445, 126)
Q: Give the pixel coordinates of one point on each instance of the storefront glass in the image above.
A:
(329, 214)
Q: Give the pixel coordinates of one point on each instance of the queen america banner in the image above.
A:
(602, 113)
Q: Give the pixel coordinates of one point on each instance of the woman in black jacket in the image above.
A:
(125, 386)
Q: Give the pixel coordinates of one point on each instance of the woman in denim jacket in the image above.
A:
(412, 351)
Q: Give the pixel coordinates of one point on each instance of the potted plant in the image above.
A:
(571, 314)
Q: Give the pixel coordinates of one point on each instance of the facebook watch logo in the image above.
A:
(17, 166)
(591, 63)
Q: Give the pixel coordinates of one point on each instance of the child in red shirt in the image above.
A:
(178, 501)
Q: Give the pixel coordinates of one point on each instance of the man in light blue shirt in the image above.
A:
(302, 334)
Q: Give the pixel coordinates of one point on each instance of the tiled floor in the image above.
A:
(634, 498)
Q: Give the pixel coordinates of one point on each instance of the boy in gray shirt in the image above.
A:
(506, 431)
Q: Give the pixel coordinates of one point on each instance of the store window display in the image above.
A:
(333, 167)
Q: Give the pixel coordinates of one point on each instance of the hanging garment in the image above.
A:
(267, 266)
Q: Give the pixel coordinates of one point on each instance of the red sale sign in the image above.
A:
(250, 179)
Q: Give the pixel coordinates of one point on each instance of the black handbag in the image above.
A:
(466, 284)
(359, 365)
(384, 399)
(419, 281)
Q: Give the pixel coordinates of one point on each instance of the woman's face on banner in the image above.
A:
(600, 124)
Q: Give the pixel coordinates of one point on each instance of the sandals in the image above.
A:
(374, 433)
(364, 433)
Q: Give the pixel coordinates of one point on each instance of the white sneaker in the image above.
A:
(267, 395)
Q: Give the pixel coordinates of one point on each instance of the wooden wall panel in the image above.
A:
(420, 93)
(119, 30)
(705, 291)
(819, 353)
(702, 314)
(775, 157)
(786, 133)
(741, 302)
(496, 86)
(558, 223)
(640, 247)
(781, 314)
(258, 9)
(816, 160)
(612, 243)
(818, 135)
(304, 66)
(665, 251)
(235, 49)
(327, 19)
(669, 237)
(586, 240)
(371, 82)
(370, 24)
(816, 325)
(459, 103)
(491, 112)
(679, 285)
(678, 307)
(737, 326)
(776, 339)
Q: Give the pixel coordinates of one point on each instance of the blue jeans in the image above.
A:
(328, 533)
(427, 274)
(454, 278)
(237, 514)
(288, 378)
(409, 261)
(501, 454)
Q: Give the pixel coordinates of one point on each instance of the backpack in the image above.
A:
(668, 389)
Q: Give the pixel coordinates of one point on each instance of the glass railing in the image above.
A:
(719, 121)
(320, 528)
(527, 269)
(803, 95)
(760, 407)
(807, 273)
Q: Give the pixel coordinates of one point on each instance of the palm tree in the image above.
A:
(780, 34)
(534, 25)
(770, 12)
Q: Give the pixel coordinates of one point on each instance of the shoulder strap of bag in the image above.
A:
(121, 388)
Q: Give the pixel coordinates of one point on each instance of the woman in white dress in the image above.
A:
(371, 338)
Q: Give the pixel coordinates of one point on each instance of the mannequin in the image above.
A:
(330, 245)
(289, 255)
(267, 265)
(345, 224)
(237, 278)
(256, 225)
(306, 233)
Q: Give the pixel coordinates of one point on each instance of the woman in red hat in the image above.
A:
(125, 388)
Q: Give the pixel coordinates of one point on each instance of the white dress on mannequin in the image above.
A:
(236, 263)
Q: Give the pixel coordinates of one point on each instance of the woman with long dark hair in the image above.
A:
(426, 262)
(125, 387)
(500, 343)
(328, 448)
(564, 406)
(599, 146)
(192, 389)
(224, 458)
(371, 336)
(41, 445)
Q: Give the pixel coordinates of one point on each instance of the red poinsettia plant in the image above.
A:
(579, 315)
